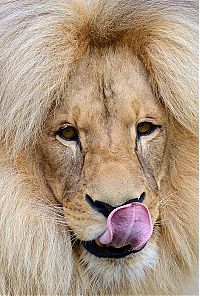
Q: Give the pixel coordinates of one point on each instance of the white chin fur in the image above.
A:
(111, 271)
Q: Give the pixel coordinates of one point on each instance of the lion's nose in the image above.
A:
(105, 208)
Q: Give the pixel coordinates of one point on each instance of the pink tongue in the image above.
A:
(128, 225)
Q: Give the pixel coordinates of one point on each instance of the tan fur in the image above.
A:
(56, 57)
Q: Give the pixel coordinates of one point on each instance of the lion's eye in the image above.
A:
(145, 128)
(68, 133)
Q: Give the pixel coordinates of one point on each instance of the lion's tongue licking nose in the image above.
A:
(130, 224)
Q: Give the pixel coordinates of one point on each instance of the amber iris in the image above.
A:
(145, 128)
(68, 133)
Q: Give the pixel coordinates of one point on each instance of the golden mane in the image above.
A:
(40, 44)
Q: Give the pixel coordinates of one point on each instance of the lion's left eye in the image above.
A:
(68, 133)
(146, 128)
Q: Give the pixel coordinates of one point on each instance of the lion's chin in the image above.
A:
(108, 271)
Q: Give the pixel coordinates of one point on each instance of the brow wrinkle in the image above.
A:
(103, 89)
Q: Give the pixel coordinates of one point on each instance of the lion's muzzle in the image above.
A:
(129, 227)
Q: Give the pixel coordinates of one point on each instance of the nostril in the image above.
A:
(140, 199)
(105, 208)
(100, 206)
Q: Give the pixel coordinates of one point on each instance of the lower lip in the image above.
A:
(109, 252)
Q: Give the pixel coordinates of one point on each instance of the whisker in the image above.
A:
(166, 198)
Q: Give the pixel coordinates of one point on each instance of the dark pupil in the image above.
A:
(145, 128)
(68, 133)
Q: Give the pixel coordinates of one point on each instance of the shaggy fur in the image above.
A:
(41, 41)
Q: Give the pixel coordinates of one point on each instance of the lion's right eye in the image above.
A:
(146, 128)
(68, 133)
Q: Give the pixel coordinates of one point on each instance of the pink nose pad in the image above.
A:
(128, 224)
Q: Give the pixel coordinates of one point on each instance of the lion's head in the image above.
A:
(98, 135)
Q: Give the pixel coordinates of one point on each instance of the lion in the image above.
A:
(98, 132)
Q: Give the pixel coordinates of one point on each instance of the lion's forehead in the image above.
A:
(113, 86)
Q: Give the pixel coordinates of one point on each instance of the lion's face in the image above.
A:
(107, 141)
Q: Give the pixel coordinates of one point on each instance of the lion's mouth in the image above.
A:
(129, 227)
(108, 251)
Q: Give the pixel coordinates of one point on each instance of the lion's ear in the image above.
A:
(170, 55)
